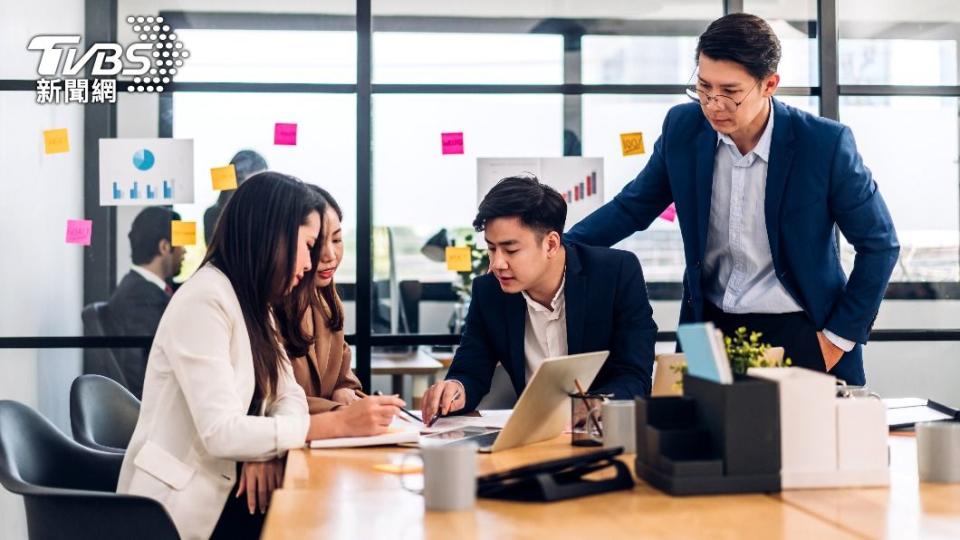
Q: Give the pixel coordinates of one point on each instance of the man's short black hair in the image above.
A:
(538, 205)
(149, 227)
(742, 38)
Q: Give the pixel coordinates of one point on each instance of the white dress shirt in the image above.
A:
(545, 330)
(738, 265)
(150, 276)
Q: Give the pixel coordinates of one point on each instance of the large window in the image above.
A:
(547, 78)
(898, 71)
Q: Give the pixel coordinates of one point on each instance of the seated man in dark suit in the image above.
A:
(136, 306)
(545, 298)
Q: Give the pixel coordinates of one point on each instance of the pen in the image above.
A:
(590, 413)
(379, 393)
(436, 415)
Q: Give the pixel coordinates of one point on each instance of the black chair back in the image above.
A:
(103, 413)
(67, 489)
(102, 361)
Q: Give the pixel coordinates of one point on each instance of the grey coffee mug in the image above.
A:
(938, 451)
(619, 425)
(449, 477)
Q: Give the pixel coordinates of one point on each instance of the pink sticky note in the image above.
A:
(79, 231)
(285, 134)
(670, 213)
(452, 143)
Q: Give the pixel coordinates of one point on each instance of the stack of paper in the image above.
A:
(395, 435)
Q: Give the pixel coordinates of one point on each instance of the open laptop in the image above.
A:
(541, 412)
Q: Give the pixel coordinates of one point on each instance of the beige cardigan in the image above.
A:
(327, 365)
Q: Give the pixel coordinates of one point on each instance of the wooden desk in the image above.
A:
(907, 509)
(415, 364)
(337, 494)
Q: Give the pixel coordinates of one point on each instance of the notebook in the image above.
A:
(706, 354)
(395, 435)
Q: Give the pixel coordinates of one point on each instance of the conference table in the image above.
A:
(333, 494)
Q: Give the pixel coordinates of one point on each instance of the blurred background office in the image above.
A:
(369, 131)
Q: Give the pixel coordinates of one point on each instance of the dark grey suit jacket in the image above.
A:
(135, 309)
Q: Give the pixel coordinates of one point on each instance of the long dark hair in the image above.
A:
(255, 246)
(329, 293)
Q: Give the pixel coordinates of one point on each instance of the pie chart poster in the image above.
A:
(146, 172)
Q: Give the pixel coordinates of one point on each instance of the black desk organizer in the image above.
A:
(717, 438)
(558, 480)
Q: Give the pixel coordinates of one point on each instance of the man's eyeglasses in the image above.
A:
(725, 102)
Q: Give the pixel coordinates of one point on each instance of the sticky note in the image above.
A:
(670, 213)
(56, 141)
(452, 143)
(183, 233)
(396, 468)
(458, 259)
(285, 134)
(79, 231)
(632, 143)
(224, 177)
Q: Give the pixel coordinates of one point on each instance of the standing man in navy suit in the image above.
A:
(759, 188)
(544, 298)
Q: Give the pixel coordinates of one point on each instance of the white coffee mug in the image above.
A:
(619, 425)
(449, 477)
(938, 451)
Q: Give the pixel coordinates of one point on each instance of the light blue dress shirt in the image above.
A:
(738, 264)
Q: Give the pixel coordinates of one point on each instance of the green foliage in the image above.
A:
(744, 350)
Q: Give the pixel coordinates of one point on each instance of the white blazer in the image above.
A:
(193, 426)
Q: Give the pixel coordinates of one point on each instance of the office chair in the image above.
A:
(102, 413)
(101, 361)
(67, 489)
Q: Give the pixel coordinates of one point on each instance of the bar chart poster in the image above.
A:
(146, 172)
(578, 179)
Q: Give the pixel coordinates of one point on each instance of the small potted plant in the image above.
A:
(744, 350)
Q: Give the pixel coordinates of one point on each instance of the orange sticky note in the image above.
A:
(458, 259)
(56, 141)
(632, 143)
(224, 177)
(183, 233)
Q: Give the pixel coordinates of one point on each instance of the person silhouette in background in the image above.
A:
(247, 163)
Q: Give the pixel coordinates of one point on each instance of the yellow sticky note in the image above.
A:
(396, 468)
(56, 141)
(224, 177)
(458, 259)
(632, 143)
(183, 233)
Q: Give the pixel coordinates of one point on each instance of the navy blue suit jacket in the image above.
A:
(815, 180)
(607, 309)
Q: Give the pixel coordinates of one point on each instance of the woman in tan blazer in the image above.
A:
(325, 373)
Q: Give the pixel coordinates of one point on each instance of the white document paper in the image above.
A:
(493, 419)
(396, 435)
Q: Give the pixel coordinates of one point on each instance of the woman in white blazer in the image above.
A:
(220, 403)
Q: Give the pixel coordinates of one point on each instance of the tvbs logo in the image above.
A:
(108, 58)
(152, 62)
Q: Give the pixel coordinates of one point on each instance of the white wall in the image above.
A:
(41, 278)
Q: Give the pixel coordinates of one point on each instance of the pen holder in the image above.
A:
(586, 427)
